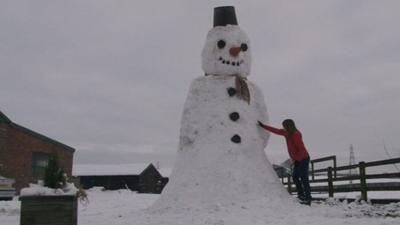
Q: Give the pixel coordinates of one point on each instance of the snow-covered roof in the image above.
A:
(114, 169)
(108, 169)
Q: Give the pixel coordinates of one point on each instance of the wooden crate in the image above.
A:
(48, 210)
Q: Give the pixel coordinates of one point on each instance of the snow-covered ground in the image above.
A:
(124, 207)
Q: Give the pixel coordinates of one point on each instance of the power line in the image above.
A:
(389, 156)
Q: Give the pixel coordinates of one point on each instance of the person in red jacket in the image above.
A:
(299, 154)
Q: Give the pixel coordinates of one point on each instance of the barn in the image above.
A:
(24, 153)
(143, 178)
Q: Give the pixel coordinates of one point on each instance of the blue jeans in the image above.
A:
(300, 178)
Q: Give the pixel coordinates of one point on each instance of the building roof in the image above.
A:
(150, 167)
(107, 169)
(5, 119)
(112, 169)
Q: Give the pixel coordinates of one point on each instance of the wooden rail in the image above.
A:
(324, 159)
(363, 186)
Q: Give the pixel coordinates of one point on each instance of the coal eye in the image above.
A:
(244, 47)
(221, 44)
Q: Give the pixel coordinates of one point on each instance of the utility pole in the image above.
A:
(352, 161)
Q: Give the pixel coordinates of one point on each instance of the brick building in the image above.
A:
(24, 153)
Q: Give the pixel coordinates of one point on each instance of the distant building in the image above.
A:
(24, 153)
(143, 178)
(151, 181)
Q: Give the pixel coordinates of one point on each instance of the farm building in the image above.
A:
(24, 153)
(143, 178)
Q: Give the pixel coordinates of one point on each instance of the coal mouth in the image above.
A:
(229, 62)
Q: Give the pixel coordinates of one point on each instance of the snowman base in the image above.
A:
(255, 212)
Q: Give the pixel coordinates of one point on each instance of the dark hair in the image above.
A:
(289, 126)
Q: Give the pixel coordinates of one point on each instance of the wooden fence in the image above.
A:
(335, 174)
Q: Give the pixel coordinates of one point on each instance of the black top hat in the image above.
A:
(224, 15)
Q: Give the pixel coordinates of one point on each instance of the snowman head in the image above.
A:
(227, 47)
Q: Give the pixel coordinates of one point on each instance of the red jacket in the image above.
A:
(297, 150)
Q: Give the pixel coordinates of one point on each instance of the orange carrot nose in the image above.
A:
(234, 51)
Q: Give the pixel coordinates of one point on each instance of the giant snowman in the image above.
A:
(221, 160)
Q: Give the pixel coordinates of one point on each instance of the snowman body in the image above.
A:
(221, 158)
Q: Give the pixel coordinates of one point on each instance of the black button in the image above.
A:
(234, 116)
(231, 91)
(236, 139)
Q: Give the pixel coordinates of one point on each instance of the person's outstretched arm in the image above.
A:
(272, 129)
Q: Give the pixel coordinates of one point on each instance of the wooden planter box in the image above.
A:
(49, 210)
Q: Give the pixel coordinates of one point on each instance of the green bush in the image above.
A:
(54, 176)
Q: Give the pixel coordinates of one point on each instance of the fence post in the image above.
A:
(289, 183)
(312, 170)
(334, 165)
(330, 182)
(363, 181)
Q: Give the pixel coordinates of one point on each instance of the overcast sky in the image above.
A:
(110, 78)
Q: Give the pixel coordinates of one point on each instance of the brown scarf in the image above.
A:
(242, 88)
